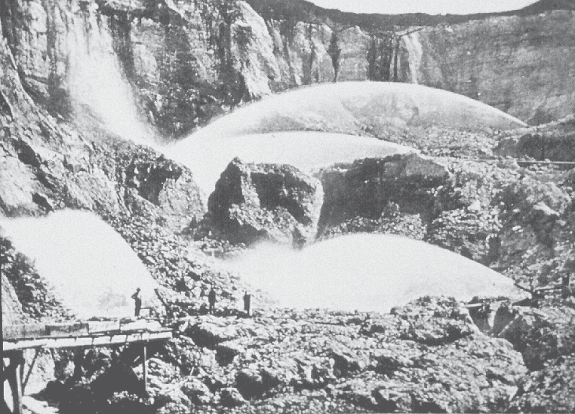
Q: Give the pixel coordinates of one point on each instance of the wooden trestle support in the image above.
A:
(13, 351)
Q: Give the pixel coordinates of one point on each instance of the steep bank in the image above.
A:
(186, 63)
(66, 157)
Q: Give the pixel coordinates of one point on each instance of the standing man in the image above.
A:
(247, 304)
(212, 299)
(137, 302)
(566, 290)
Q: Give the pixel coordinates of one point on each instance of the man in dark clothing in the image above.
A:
(212, 299)
(137, 302)
(181, 285)
(566, 290)
(78, 365)
(247, 304)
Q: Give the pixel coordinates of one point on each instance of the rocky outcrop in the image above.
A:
(541, 335)
(11, 307)
(48, 165)
(425, 356)
(185, 63)
(518, 220)
(554, 141)
(265, 202)
(538, 224)
(495, 60)
(550, 389)
(490, 58)
(371, 188)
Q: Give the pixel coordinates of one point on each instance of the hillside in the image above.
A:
(188, 62)
(90, 94)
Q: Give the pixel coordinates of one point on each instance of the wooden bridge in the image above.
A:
(18, 338)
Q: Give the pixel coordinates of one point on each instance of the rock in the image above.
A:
(543, 220)
(435, 321)
(250, 383)
(265, 202)
(128, 403)
(227, 351)
(12, 312)
(474, 207)
(346, 361)
(207, 334)
(161, 372)
(231, 397)
(473, 373)
(197, 392)
(552, 389)
(395, 356)
(552, 142)
(366, 187)
(541, 334)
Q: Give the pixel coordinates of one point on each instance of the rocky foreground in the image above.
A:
(427, 356)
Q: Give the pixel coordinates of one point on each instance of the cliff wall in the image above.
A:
(178, 64)
(523, 65)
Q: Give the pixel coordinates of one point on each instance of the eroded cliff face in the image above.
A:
(174, 65)
(48, 164)
(523, 65)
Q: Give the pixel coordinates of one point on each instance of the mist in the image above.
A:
(92, 269)
(366, 272)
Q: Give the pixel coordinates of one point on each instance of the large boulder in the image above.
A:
(265, 202)
(541, 334)
(435, 321)
(551, 389)
(553, 141)
(375, 187)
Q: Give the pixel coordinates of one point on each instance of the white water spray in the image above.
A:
(367, 273)
(317, 126)
(345, 107)
(307, 151)
(97, 83)
(92, 269)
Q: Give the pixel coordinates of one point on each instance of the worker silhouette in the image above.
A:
(181, 285)
(137, 302)
(566, 290)
(247, 304)
(212, 299)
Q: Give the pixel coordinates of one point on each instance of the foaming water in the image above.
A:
(97, 83)
(92, 269)
(307, 151)
(366, 272)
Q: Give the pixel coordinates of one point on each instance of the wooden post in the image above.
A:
(37, 352)
(145, 368)
(15, 373)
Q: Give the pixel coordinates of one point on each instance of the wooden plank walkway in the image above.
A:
(18, 338)
(84, 340)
